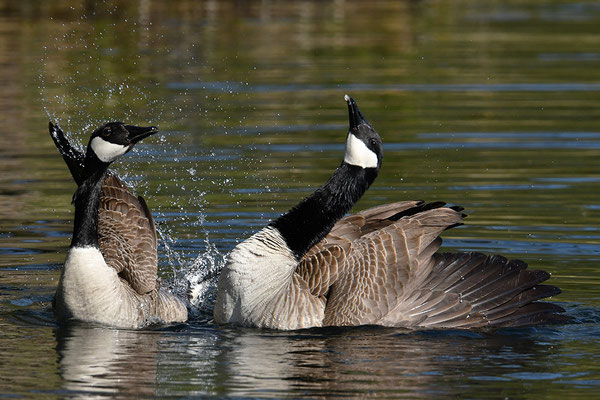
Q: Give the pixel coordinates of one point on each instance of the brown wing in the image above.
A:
(386, 266)
(127, 235)
(356, 225)
(321, 265)
(393, 276)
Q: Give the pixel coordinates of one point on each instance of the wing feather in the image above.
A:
(382, 266)
(392, 275)
(127, 235)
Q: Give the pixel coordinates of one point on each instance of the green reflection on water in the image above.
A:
(249, 96)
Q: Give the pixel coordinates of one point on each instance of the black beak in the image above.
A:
(137, 133)
(356, 118)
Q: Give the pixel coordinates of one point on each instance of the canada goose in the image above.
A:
(110, 274)
(311, 267)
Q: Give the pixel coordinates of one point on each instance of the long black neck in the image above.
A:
(87, 202)
(310, 221)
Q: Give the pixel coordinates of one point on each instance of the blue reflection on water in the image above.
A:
(241, 87)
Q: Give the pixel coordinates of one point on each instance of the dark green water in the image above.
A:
(491, 105)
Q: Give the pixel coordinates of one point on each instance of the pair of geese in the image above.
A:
(313, 266)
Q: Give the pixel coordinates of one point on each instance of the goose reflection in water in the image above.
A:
(96, 361)
(323, 362)
(329, 362)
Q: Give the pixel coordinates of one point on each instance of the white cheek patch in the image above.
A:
(107, 151)
(357, 153)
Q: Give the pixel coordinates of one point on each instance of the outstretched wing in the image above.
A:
(321, 266)
(381, 266)
(386, 266)
(127, 235)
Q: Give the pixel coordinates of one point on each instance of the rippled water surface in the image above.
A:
(491, 105)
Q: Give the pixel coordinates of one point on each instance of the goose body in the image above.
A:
(110, 274)
(314, 267)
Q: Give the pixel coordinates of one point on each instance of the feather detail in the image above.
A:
(127, 236)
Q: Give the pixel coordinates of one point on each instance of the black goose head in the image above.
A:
(364, 147)
(114, 139)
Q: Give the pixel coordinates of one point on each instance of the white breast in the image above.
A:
(91, 291)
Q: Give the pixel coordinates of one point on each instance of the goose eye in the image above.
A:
(373, 142)
(106, 132)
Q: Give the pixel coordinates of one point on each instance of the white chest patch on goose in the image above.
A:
(107, 151)
(357, 153)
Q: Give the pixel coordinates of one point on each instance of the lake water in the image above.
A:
(494, 106)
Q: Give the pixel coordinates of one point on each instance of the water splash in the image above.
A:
(202, 276)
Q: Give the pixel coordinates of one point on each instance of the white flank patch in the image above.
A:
(107, 151)
(357, 153)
